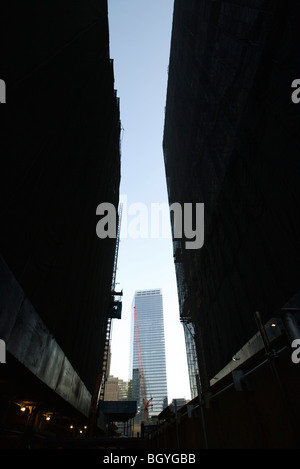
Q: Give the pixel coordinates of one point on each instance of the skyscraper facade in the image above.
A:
(150, 322)
(232, 148)
(64, 160)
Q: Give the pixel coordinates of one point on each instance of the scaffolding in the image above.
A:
(105, 364)
(191, 354)
(98, 394)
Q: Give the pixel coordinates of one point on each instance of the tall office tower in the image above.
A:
(149, 312)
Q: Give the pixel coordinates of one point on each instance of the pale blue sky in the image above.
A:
(139, 44)
(140, 34)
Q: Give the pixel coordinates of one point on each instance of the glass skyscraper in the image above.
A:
(149, 309)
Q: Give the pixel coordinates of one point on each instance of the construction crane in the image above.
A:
(146, 403)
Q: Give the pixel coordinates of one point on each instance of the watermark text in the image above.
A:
(187, 221)
(296, 94)
(296, 353)
(2, 351)
(2, 91)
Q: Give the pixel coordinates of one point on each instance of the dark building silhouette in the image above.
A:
(231, 141)
(60, 158)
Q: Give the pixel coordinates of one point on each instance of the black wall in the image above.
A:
(231, 140)
(60, 159)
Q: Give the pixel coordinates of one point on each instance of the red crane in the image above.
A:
(146, 403)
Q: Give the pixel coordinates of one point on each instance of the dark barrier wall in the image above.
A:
(231, 141)
(258, 417)
(60, 158)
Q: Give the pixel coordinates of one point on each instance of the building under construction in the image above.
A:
(231, 141)
(60, 158)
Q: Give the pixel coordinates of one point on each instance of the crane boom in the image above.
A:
(146, 404)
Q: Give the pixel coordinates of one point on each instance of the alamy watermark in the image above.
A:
(154, 221)
(2, 351)
(296, 94)
(2, 91)
(296, 353)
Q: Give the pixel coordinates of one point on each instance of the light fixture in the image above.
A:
(23, 409)
(48, 417)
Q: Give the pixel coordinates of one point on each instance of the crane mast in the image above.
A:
(146, 403)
